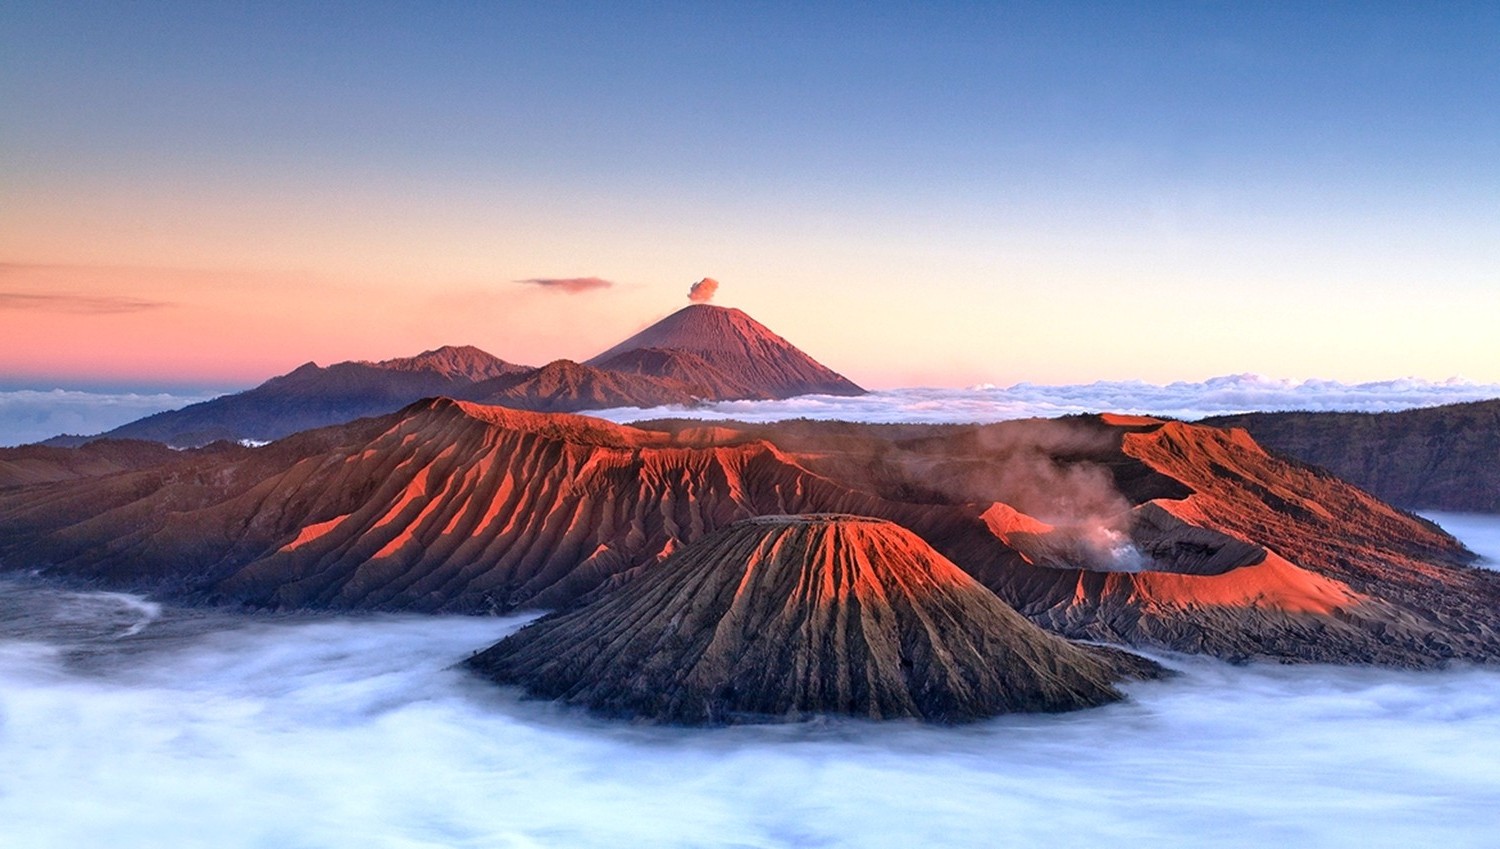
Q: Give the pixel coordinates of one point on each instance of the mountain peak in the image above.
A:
(742, 349)
(454, 361)
(781, 617)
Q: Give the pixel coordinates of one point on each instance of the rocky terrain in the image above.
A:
(1436, 458)
(31, 464)
(1124, 530)
(784, 617)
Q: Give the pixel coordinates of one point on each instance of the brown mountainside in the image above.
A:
(1436, 458)
(1148, 533)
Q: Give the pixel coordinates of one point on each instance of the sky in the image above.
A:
(938, 194)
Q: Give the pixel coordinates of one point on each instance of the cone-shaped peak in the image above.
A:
(739, 346)
(784, 617)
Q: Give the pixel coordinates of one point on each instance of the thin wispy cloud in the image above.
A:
(77, 304)
(569, 285)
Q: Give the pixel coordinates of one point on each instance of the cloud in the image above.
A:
(703, 291)
(210, 728)
(570, 285)
(31, 415)
(1181, 400)
(77, 304)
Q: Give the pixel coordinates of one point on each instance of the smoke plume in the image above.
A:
(703, 291)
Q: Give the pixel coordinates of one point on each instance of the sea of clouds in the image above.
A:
(1182, 400)
(125, 723)
(32, 415)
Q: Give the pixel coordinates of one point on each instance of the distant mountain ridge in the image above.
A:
(698, 353)
(1432, 458)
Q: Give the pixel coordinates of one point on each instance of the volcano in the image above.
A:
(1193, 538)
(742, 352)
(785, 617)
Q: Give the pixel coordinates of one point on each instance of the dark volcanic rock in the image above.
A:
(1437, 458)
(33, 464)
(782, 617)
(742, 352)
(313, 396)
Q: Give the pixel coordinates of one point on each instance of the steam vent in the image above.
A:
(779, 618)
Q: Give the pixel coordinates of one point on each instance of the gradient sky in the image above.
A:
(937, 193)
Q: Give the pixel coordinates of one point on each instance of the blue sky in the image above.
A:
(1320, 181)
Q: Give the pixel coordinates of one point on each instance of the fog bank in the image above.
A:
(1183, 400)
(124, 723)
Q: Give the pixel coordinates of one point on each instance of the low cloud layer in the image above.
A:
(1182, 400)
(131, 725)
(569, 285)
(30, 415)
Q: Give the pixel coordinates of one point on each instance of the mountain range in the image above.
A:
(1433, 458)
(701, 352)
(1124, 530)
(707, 574)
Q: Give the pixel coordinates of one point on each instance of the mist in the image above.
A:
(1182, 400)
(124, 722)
(32, 415)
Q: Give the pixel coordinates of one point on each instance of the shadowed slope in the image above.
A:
(564, 385)
(312, 396)
(781, 617)
(1437, 458)
(740, 349)
(33, 464)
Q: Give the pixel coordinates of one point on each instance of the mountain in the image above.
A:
(564, 386)
(1435, 458)
(313, 396)
(1124, 530)
(698, 353)
(785, 617)
(33, 464)
(684, 367)
(741, 350)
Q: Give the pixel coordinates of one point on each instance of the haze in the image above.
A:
(129, 724)
(1053, 193)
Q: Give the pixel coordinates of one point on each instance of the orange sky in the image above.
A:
(930, 195)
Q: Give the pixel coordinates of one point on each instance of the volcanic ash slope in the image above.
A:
(782, 617)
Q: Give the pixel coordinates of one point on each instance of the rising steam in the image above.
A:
(703, 291)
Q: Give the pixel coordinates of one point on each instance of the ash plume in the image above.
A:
(703, 291)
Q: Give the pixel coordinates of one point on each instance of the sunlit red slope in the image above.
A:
(1148, 533)
(783, 617)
